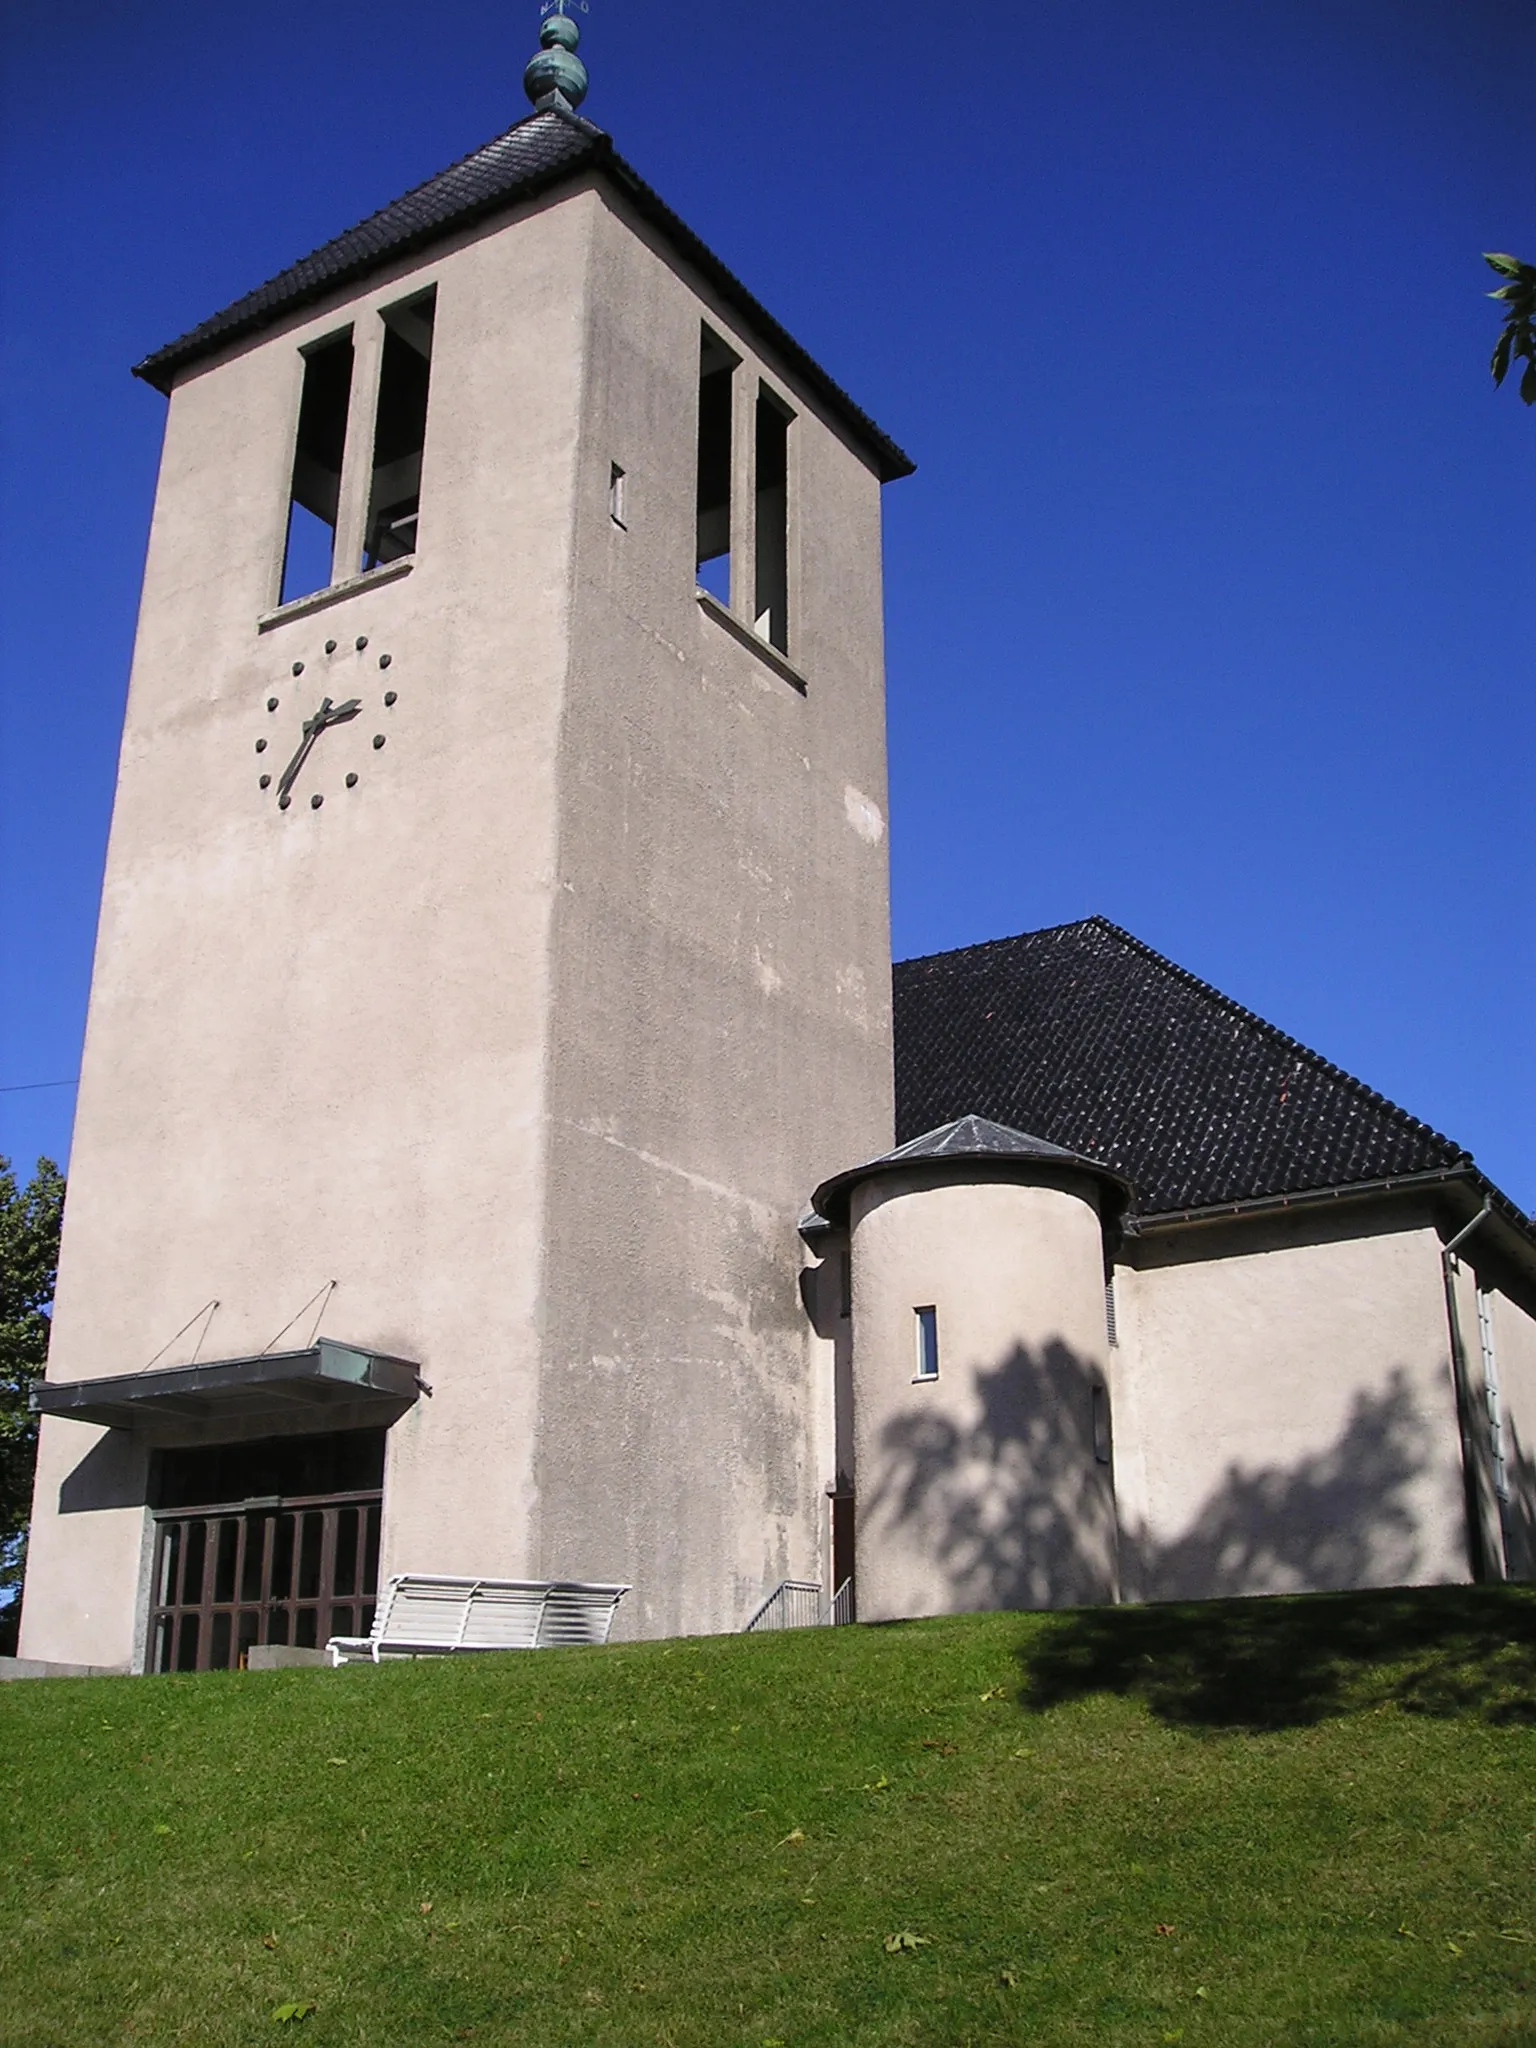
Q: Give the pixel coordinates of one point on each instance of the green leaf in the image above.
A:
(1501, 353)
(295, 2010)
(1528, 384)
(1506, 266)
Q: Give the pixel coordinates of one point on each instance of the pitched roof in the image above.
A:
(967, 1138)
(535, 155)
(1088, 1036)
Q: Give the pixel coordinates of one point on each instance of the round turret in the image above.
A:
(980, 1372)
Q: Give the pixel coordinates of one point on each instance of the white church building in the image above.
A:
(502, 1150)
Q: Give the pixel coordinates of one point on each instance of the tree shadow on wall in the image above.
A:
(1340, 1517)
(1014, 1507)
(1008, 1505)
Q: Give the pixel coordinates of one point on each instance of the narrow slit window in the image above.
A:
(400, 432)
(1111, 1313)
(315, 495)
(717, 373)
(926, 1332)
(770, 611)
(845, 1285)
(617, 496)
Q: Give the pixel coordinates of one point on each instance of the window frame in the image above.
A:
(925, 1338)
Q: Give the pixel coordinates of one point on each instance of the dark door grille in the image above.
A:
(291, 1571)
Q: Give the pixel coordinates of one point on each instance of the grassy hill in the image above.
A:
(1264, 1822)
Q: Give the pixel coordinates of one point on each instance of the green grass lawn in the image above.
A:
(1263, 1822)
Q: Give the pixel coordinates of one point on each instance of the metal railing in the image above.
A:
(798, 1603)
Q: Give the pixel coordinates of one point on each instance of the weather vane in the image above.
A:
(563, 7)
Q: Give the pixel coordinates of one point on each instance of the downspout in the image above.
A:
(1477, 1553)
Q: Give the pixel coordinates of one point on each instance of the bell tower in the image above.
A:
(494, 939)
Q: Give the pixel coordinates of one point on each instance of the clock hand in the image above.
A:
(313, 727)
(329, 714)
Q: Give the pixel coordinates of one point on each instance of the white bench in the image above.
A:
(419, 1616)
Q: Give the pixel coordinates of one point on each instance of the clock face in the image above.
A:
(324, 726)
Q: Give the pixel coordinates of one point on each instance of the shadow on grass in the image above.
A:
(1448, 1651)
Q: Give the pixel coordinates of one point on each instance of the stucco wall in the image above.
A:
(979, 1489)
(1514, 1336)
(1286, 1417)
(601, 914)
(721, 962)
(317, 1039)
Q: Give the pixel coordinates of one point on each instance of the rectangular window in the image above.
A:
(845, 1285)
(315, 494)
(1101, 1444)
(717, 372)
(927, 1334)
(617, 495)
(399, 432)
(770, 611)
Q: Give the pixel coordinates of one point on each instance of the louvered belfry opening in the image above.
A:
(275, 1542)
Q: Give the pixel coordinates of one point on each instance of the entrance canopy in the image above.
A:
(275, 1388)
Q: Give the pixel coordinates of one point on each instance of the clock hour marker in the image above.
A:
(330, 646)
(390, 697)
(298, 668)
(261, 746)
(378, 741)
(352, 782)
(283, 802)
(266, 782)
(271, 703)
(362, 642)
(315, 802)
(385, 660)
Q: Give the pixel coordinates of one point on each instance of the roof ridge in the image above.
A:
(1273, 1032)
(1096, 920)
(1045, 931)
(536, 155)
(595, 134)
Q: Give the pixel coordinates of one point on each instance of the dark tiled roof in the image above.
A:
(1088, 1036)
(968, 1137)
(532, 157)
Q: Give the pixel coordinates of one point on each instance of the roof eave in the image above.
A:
(1464, 1182)
(831, 1200)
(162, 368)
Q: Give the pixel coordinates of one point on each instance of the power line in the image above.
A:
(31, 1087)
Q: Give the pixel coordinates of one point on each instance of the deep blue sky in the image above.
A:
(1210, 605)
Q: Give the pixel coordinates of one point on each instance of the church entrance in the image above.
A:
(268, 1542)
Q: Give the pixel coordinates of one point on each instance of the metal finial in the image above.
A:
(557, 78)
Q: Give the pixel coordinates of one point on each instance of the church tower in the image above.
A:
(494, 941)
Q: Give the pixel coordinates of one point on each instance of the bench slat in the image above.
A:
(424, 1615)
